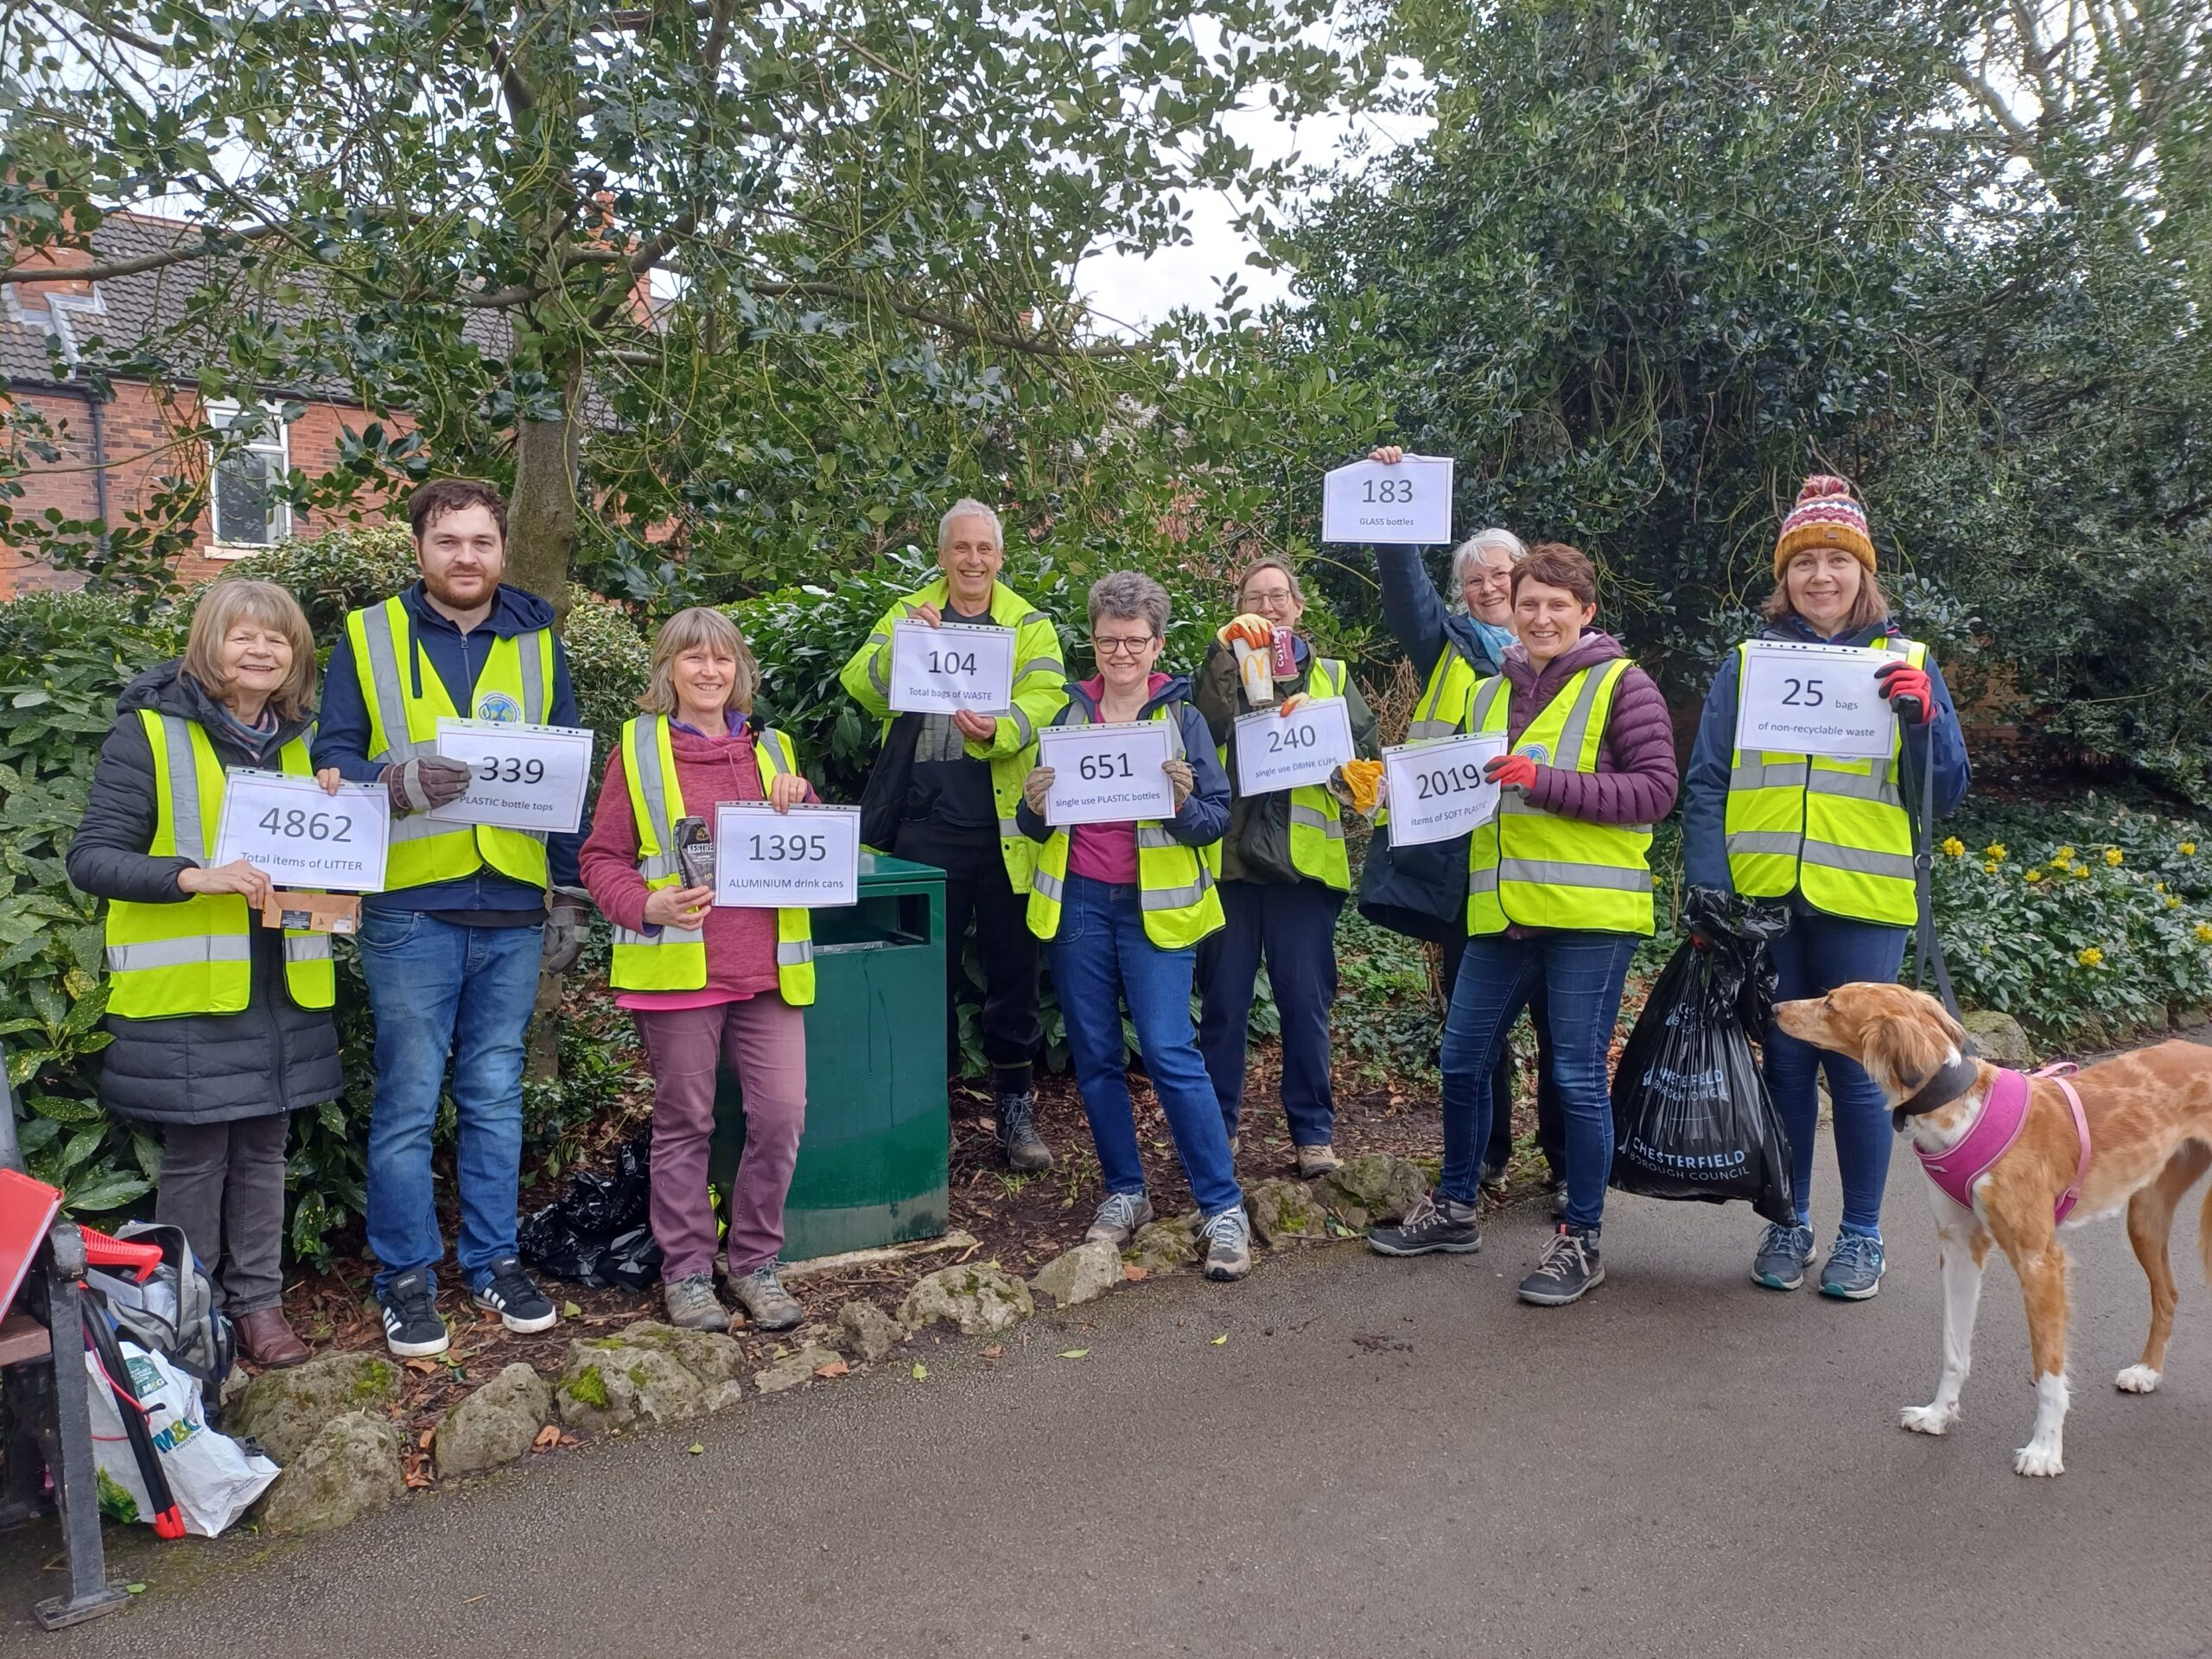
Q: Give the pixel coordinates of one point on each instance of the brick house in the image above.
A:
(114, 453)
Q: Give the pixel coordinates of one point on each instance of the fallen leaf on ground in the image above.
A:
(571, 1440)
(424, 1439)
(994, 1351)
(920, 1370)
(421, 1367)
(547, 1436)
(835, 1368)
(695, 1448)
(1222, 1338)
(1073, 1353)
(1134, 1274)
(569, 1310)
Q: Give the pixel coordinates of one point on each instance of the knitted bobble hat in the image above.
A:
(1827, 515)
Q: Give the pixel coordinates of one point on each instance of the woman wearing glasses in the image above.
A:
(1121, 908)
(1454, 649)
(1284, 875)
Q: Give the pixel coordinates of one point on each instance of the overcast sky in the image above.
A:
(1137, 292)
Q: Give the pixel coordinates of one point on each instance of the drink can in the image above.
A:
(1285, 661)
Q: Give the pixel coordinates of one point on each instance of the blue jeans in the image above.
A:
(440, 990)
(1099, 956)
(1581, 975)
(1295, 925)
(1815, 955)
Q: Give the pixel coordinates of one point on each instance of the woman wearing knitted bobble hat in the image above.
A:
(1831, 837)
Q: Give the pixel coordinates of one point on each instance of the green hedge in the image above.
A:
(2083, 958)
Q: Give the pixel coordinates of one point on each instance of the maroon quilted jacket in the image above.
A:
(1636, 779)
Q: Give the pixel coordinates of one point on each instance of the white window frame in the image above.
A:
(274, 445)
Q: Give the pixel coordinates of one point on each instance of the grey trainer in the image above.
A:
(764, 1299)
(1784, 1253)
(692, 1304)
(1119, 1217)
(1228, 1244)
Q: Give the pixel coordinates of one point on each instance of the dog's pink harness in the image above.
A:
(2004, 1115)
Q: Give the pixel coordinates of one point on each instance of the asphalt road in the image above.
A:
(1384, 1458)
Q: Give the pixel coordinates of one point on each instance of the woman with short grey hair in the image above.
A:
(1121, 908)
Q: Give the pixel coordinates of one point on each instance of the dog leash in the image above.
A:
(1928, 948)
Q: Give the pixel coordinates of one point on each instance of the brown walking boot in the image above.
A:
(267, 1339)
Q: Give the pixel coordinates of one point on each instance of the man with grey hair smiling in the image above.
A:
(949, 785)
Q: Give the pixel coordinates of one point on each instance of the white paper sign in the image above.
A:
(1107, 774)
(808, 858)
(943, 670)
(298, 836)
(1368, 501)
(1286, 751)
(1437, 790)
(527, 777)
(1816, 699)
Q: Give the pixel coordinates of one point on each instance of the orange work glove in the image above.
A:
(1254, 631)
(1363, 786)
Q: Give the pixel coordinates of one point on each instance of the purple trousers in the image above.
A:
(763, 1040)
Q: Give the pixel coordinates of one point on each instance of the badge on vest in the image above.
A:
(497, 705)
(1539, 753)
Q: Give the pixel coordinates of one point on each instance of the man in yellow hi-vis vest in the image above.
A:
(452, 948)
(949, 785)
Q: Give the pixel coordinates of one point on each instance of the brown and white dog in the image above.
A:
(2149, 1116)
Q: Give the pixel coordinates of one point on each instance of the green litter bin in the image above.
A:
(872, 1165)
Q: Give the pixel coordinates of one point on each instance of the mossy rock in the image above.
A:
(1082, 1274)
(2001, 1039)
(707, 1355)
(1371, 1187)
(976, 1301)
(495, 1425)
(285, 1410)
(604, 1387)
(351, 1468)
(1164, 1246)
(1285, 1212)
(795, 1367)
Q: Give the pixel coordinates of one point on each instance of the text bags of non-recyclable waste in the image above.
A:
(1692, 1116)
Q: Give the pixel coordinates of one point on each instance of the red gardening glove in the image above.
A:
(1901, 680)
(1512, 772)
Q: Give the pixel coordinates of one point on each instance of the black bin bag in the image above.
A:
(1692, 1117)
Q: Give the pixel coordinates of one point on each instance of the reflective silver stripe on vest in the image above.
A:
(191, 833)
(666, 936)
(1769, 774)
(533, 677)
(1151, 834)
(1577, 720)
(1756, 842)
(879, 661)
(1046, 883)
(643, 762)
(1489, 693)
(1023, 728)
(1177, 897)
(1484, 880)
(1546, 871)
(1858, 786)
(1009, 828)
(306, 947)
(384, 683)
(1050, 665)
(1423, 731)
(179, 953)
(1858, 861)
(793, 953)
(1329, 823)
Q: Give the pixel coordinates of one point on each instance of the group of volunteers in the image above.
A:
(220, 1028)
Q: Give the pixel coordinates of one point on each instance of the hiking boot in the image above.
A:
(1320, 1160)
(1784, 1253)
(412, 1329)
(1435, 1223)
(764, 1299)
(1229, 1247)
(1569, 1266)
(267, 1338)
(1493, 1180)
(521, 1306)
(1854, 1271)
(1017, 1133)
(1555, 1190)
(692, 1304)
(1118, 1218)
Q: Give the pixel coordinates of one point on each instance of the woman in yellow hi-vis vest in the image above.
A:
(219, 1028)
(1831, 838)
(1121, 908)
(1284, 875)
(1559, 890)
(706, 983)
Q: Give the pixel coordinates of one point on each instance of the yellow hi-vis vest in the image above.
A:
(1835, 830)
(1539, 868)
(1317, 827)
(675, 958)
(197, 957)
(1442, 711)
(1038, 678)
(515, 684)
(1175, 882)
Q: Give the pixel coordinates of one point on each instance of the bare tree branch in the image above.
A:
(215, 242)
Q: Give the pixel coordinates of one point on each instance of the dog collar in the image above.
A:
(1952, 1080)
